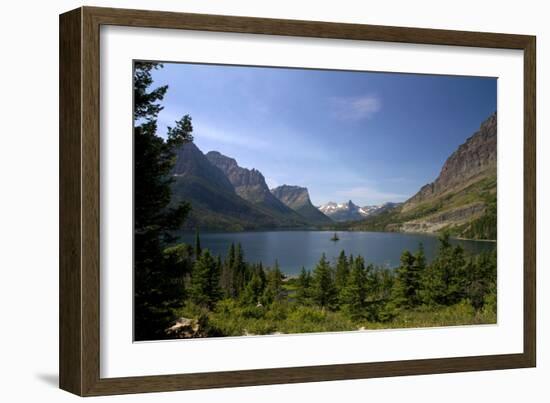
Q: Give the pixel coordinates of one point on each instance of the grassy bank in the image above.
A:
(231, 319)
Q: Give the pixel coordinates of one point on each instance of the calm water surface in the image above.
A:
(294, 249)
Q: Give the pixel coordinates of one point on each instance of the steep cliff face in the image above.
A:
(215, 205)
(473, 160)
(191, 162)
(297, 198)
(293, 196)
(248, 183)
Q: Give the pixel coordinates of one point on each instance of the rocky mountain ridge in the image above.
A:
(226, 196)
(214, 201)
(248, 183)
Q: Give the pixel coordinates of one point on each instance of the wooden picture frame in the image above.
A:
(79, 346)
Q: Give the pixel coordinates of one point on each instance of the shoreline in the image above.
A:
(477, 240)
(294, 229)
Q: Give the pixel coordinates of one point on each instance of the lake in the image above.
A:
(294, 249)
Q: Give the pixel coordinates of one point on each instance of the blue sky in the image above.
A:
(368, 137)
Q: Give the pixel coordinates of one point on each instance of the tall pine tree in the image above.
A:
(197, 244)
(354, 295)
(444, 281)
(324, 291)
(253, 290)
(274, 285)
(407, 282)
(205, 281)
(303, 291)
(239, 271)
(341, 273)
(155, 291)
(227, 276)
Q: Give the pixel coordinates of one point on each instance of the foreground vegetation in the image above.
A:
(230, 297)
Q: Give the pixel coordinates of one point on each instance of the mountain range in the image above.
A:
(250, 185)
(225, 196)
(342, 212)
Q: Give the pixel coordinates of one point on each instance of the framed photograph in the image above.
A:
(249, 201)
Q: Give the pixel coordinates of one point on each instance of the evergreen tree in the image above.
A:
(342, 272)
(324, 291)
(253, 290)
(407, 281)
(350, 263)
(418, 269)
(227, 276)
(215, 289)
(197, 243)
(219, 271)
(303, 291)
(419, 260)
(457, 279)
(274, 285)
(370, 275)
(261, 274)
(354, 295)
(379, 303)
(231, 255)
(444, 280)
(156, 293)
(239, 271)
(204, 289)
(178, 263)
(481, 271)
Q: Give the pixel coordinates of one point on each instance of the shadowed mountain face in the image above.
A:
(227, 198)
(215, 205)
(249, 184)
(462, 199)
(297, 198)
(191, 162)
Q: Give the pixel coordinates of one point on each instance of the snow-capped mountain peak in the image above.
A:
(349, 211)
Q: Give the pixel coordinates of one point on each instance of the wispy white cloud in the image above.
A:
(355, 108)
(214, 133)
(218, 135)
(370, 195)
